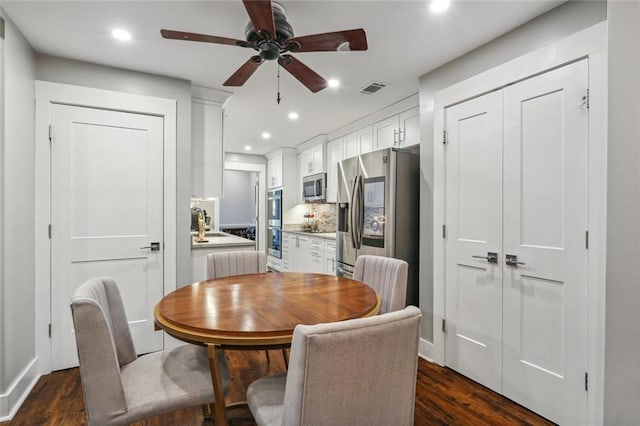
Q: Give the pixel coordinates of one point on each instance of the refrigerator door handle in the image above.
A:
(352, 224)
(356, 213)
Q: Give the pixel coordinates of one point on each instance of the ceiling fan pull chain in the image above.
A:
(278, 97)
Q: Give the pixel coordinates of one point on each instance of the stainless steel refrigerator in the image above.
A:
(378, 211)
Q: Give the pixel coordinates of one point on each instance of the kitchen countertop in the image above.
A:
(220, 239)
(326, 235)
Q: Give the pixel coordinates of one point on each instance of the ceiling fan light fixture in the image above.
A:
(333, 83)
(438, 6)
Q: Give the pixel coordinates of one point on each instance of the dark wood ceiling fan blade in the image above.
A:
(346, 40)
(243, 73)
(303, 73)
(181, 35)
(261, 15)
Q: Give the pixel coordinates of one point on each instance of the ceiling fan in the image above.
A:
(269, 33)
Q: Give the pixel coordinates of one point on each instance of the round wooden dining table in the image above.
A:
(258, 311)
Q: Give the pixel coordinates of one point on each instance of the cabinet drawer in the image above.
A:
(330, 246)
(317, 244)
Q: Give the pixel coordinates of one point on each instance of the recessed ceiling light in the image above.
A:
(333, 83)
(293, 115)
(120, 34)
(438, 6)
(266, 135)
(248, 148)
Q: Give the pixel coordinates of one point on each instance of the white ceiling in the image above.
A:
(405, 41)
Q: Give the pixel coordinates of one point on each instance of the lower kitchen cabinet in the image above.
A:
(304, 253)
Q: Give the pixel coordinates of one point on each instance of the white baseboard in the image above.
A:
(18, 391)
(426, 350)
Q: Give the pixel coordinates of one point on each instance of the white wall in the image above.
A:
(17, 359)
(543, 30)
(238, 206)
(622, 332)
(60, 70)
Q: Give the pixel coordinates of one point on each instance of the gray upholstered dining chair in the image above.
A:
(387, 276)
(118, 386)
(227, 263)
(355, 372)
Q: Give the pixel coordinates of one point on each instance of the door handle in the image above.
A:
(155, 246)
(491, 257)
(512, 260)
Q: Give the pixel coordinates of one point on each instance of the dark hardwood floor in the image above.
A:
(443, 397)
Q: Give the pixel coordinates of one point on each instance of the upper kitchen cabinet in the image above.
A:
(281, 167)
(335, 154)
(312, 161)
(398, 131)
(274, 172)
(207, 148)
(351, 145)
(358, 142)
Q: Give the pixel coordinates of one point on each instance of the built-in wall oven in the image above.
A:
(274, 240)
(274, 230)
(274, 207)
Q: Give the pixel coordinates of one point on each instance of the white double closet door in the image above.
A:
(516, 185)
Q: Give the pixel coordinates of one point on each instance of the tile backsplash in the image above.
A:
(325, 214)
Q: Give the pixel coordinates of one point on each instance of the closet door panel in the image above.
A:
(545, 212)
(474, 228)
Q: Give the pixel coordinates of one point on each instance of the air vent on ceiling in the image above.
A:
(373, 87)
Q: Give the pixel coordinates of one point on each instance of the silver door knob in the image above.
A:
(155, 246)
(491, 257)
(512, 260)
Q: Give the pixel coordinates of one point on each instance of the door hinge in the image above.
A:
(586, 239)
(444, 231)
(584, 105)
(444, 325)
(49, 230)
(50, 132)
(586, 381)
(444, 137)
(49, 330)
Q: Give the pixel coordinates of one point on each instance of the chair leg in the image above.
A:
(207, 411)
(286, 358)
(267, 354)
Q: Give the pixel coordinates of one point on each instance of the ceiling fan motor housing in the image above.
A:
(271, 47)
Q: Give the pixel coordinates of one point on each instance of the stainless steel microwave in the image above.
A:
(314, 188)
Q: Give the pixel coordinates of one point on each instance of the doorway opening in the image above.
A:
(238, 206)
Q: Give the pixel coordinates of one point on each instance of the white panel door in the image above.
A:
(474, 229)
(545, 212)
(106, 206)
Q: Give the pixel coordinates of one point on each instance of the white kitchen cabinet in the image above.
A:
(364, 137)
(335, 154)
(299, 252)
(207, 150)
(398, 131)
(274, 172)
(385, 132)
(288, 243)
(410, 127)
(330, 257)
(312, 160)
(351, 148)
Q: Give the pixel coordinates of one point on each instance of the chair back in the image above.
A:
(224, 264)
(360, 371)
(387, 276)
(104, 344)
